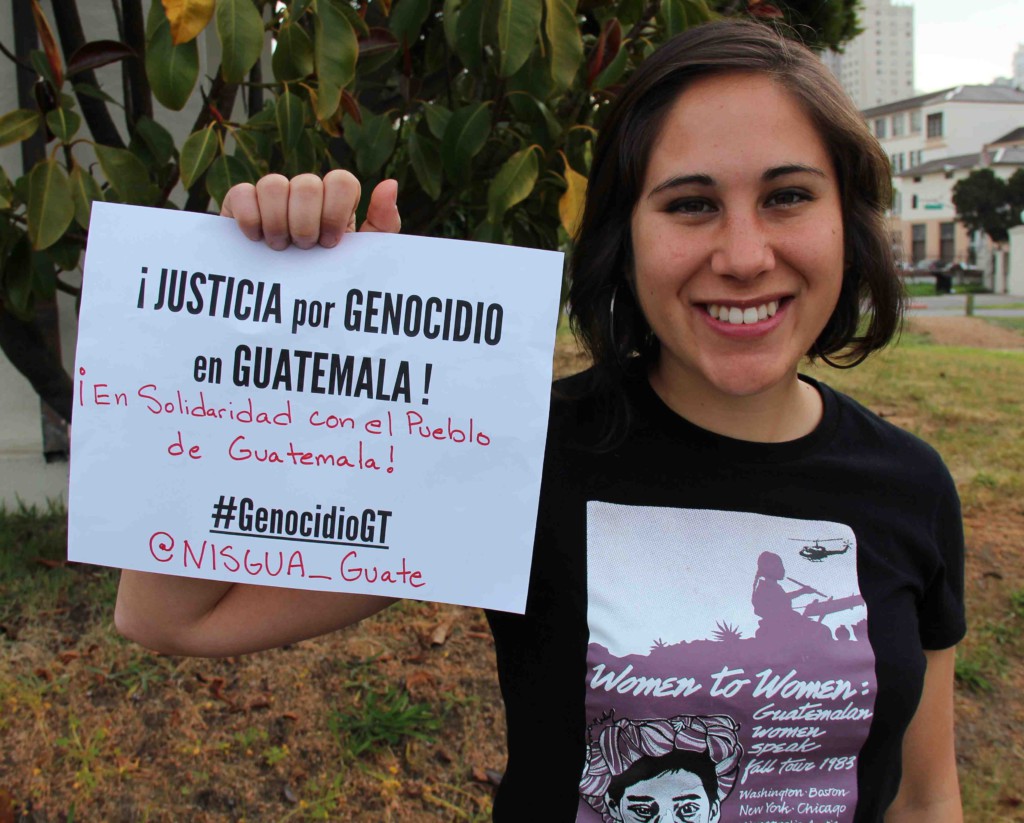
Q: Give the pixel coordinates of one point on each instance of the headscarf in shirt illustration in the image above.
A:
(661, 769)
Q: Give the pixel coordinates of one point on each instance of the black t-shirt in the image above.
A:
(723, 626)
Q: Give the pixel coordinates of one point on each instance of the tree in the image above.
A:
(985, 202)
(485, 111)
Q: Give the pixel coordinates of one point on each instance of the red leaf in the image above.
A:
(49, 43)
(379, 41)
(765, 11)
(596, 58)
(351, 107)
(98, 53)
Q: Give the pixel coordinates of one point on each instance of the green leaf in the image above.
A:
(50, 210)
(63, 123)
(89, 90)
(518, 26)
(225, 172)
(172, 70)
(17, 280)
(437, 118)
(240, 29)
(291, 117)
(336, 52)
(358, 24)
(125, 173)
(18, 125)
(698, 12)
(197, 152)
(407, 18)
(565, 46)
(512, 184)
(64, 254)
(372, 142)
(425, 157)
(84, 191)
(464, 136)
(157, 139)
(674, 17)
(469, 24)
(293, 55)
(613, 72)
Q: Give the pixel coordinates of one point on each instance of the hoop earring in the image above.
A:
(611, 324)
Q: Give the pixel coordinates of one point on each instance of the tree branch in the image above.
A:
(26, 347)
(138, 99)
(72, 38)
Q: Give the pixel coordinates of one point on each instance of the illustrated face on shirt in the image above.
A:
(670, 797)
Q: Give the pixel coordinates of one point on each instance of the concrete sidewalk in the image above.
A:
(955, 305)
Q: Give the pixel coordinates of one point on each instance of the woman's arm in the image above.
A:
(208, 618)
(930, 790)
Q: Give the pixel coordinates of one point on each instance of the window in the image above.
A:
(947, 242)
(915, 122)
(935, 125)
(898, 124)
(880, 128)
(917, 235)
(913, 201)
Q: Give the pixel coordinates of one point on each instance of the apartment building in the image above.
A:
(877, 66)
(933, 140)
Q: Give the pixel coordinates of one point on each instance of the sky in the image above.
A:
(961, 42)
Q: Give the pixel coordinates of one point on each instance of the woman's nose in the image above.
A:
(742, 248)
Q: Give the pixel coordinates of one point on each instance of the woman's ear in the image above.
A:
(716, 809)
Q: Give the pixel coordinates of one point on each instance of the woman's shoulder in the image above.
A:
(866, 432)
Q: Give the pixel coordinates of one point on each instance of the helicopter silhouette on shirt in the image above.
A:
(816, 552)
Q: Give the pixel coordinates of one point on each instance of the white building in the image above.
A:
(932, 141)
(1018, 67)
(878, 65)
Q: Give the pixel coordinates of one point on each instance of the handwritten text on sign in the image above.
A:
(368, 418)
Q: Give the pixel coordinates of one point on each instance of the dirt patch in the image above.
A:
(966, 331)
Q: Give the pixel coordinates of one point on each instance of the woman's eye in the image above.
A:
(788, 198)
(691, 207)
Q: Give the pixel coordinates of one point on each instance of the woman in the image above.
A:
(734, 224)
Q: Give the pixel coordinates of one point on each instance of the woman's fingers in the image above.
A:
(307, 210)
(240, 203)
(382, 214)
(341, 197)
(305, 206)
(272, 198)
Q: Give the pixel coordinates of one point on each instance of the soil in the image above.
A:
(966, 331)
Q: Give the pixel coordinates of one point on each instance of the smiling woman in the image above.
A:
(734, 225)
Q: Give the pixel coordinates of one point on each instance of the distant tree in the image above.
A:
(485, 110)
(986, 202)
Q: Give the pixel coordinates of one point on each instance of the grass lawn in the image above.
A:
(400, 718)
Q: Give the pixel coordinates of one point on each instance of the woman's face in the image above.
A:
(669, 797)
(737, 238)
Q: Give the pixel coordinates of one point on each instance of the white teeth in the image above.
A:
(739, 317)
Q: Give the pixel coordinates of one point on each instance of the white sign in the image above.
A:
(368, 418)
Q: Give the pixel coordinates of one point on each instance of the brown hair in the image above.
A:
(602, 258)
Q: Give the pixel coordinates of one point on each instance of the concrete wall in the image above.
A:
(1015, 271)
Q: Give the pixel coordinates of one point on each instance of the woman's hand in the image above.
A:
(308, 210)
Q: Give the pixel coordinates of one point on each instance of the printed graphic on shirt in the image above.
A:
(729, 674)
